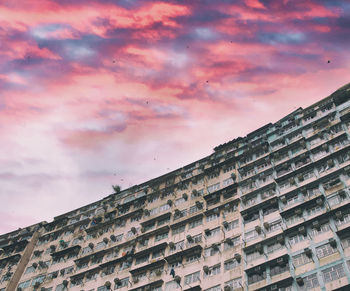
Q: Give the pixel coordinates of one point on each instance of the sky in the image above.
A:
(103, 92)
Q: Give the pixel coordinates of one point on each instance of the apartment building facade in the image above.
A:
(269, 211)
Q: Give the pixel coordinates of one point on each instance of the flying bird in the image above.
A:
(328, 61)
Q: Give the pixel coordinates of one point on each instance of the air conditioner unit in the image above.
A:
(189, 238)
(319, 201)
(280, 239)
(283, 199)
(300, 281)
(302, 230)
(207, 231)
(339, 214)
(333, 242)
(308, 252)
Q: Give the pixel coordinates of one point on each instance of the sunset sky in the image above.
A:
(95, 93)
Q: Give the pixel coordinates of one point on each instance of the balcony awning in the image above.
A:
(270, 201)
(112, 262)
(13, 257)
(154, 219)
(271, 262)
(195, 288)
(150, 249)
(153, 284)
(85, 272)
(344, 232)
(65, 251)
(19, 243)
(186, 220)
(181, 253)
(148, 266)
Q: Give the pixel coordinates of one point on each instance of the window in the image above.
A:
(157, 254)
(193, 209)
(86, 250)
(325, 250)
(253, 256)
(229, 208)
(346, 219)
(179, 229)
(214, 232)
(273, 226)
(176, 264)
(24, 284)
(215, 288)
(193, 258)
(215, 270)
(178, 246)
(293, 219)
(194, 277)
(180, 214)
(100, 245)
(333, 273)
(195, 223)
(314, 210)
(230, 264)
(323, 228)
(142, 259)
(76, 241)
(275, 270)
(197, 193)
(231, 225)
(273, 247)
(213, 175)
(29, 270)
(212, 217)
(213, 188)
(163, 221)
(208, 252)
(235, 283)
(296, 239)
(334, 200)
(82, 265)
(301, 259)
(123, 283)
(38, 279)
(250, 235)
(161, 236)
(180, 201)
(256, 277)
(164, 207)
(91, 276)
(197, 238)
(6, 277)
(346, 242)
(227, 182)
(229, 169)
(154, 211)
(172, 285)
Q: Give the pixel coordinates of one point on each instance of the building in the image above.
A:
(269, 211)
